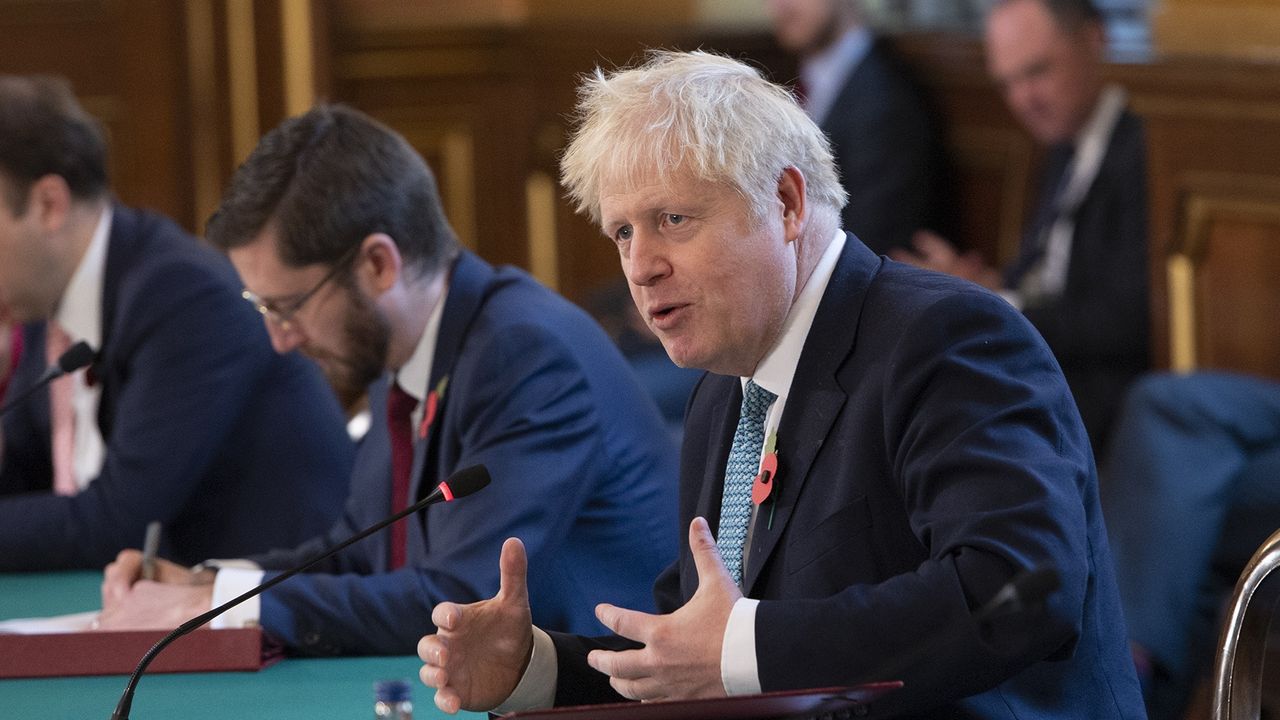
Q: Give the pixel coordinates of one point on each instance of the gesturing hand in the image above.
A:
(680, 659)
(480, 650)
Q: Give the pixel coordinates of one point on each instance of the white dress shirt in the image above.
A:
(236, 577)
(738, 668)
(80, 315)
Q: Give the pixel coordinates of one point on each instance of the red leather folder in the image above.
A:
(112, 653)
(855, 701)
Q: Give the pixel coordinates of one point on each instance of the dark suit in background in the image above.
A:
(928, 450)
(1099, 327)
(888, 152)
(584, 472)
(233, 448)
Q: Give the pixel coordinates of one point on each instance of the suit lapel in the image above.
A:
(815, 398)
(121, 242)
(724, 420)
(468, 285)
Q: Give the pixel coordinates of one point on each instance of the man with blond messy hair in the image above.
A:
(876, 451)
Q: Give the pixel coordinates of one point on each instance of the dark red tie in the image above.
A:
(400, 406)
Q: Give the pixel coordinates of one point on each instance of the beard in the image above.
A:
(362, 357)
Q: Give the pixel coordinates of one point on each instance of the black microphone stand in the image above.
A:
(473, 478)
(76, 357)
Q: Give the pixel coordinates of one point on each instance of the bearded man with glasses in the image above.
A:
(337, 229)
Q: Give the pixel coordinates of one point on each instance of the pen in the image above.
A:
(149, 547)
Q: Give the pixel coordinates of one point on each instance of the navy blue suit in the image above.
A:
(889, 154)
(234, 448)
(928, 451)
(584, 472)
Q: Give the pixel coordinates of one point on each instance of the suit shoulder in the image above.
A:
(906, 307)
(151, 249)
(515, 302)
(902, 290)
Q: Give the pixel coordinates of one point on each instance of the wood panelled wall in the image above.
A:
(138, 96)
(489, 110)
(185, 87)
(1213, 131)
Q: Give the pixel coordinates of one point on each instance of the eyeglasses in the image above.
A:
(282, 316)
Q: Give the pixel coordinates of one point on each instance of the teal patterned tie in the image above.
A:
(739, 473)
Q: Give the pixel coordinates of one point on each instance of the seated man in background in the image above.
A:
(183, 417)
(337, 229)
(887, 147)
(920, 445)
(1193, 482)
(1081, 272)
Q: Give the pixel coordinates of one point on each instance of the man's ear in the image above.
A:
(50, 200)
(379, 265)
(791, 193)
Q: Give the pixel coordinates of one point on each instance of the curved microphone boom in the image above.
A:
(459, 485)
(76, 357)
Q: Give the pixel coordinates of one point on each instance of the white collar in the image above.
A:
(778, 367)
(413, 376)
(80, 308)
(824, 73)
(1091, 146)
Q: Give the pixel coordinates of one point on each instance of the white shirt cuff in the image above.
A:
(738, 669)
(537, 688)
(234, 579)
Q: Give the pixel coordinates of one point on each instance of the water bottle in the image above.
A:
(392, 700)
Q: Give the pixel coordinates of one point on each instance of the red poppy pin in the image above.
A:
(433, 403)
(765, 481)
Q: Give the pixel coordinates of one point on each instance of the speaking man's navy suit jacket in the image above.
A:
(234, 448)
(584, 472)
(929, 450)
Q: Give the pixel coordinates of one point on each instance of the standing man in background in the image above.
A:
(887, 147)
(184, 416)
(337, 229)
(1081, 272)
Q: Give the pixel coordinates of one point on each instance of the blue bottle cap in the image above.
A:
(392, 691)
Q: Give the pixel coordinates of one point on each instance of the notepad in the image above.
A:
(74, 622)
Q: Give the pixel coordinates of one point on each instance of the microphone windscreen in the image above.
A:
(468, 480)
(76, 357)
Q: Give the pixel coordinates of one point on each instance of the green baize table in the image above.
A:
(305, 689)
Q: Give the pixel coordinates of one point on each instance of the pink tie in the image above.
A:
(62, 417)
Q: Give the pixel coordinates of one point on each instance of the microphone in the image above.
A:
(1026, 591)
(76, 357)
(459, 485)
